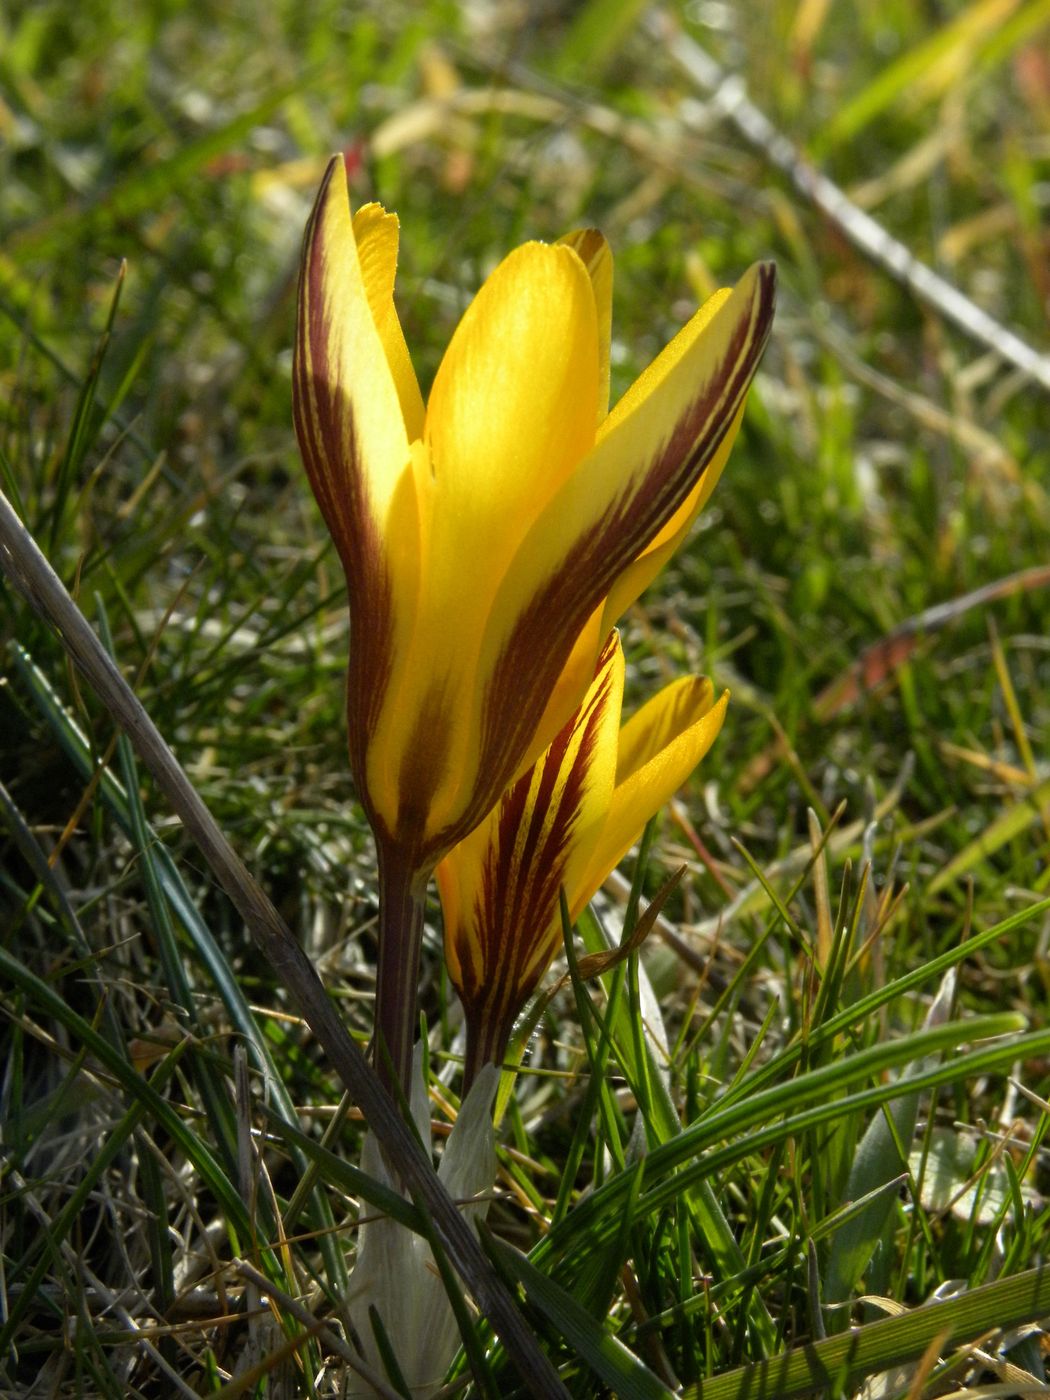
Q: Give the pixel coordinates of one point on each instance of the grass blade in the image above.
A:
(878, 1346)
(607, 1357)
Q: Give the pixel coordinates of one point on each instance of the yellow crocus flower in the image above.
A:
(565, 824)
(492, 537)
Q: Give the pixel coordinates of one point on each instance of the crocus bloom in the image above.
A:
(491, 538)
(564, 824)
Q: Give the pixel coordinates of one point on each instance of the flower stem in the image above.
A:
(402, 894)
(486, 1045)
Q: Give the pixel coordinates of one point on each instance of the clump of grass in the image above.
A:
(682, 1195)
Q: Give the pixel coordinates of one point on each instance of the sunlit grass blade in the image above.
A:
(73, 741)
(823, 1110)
(214, 1093)
(637, 1057)
(860, 1011)
(146, 184)
(880, 1155)
(86, 423)
(598, 29)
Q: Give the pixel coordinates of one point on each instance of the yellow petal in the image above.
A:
(671, 355)
(512, 411)
(641, 472)
(376, 236)
(355, 447)
(594, 252)
(659, 747)
(662, 721)
(637, 577)
(570, 685)
(500, 887)
(347, 410)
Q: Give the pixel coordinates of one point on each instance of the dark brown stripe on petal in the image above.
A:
(535, 653)
(515, 917)
(324, 424)
(424, 764)
(588, 244)
(326, 436)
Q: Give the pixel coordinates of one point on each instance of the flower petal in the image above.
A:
(637, 577)
(573, 681)
(662, 721)
(659, 748)
(594, 252)
(639, 475)
(347, 410)
(376, 236)
(672, 354)
(355, 448)
(500, 887)
(512, 411)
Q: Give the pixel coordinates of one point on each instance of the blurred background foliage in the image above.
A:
(157, 164)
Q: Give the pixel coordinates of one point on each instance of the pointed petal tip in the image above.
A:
(759, 283)
(313, 235)
(588, 243)
(757, 292)
(335, 174)
(766, 293)
(336, 166)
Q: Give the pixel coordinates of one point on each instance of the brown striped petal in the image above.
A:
(500, 887)
(512, 412)
(348, 415)
(659, 747)
(591, 247)
(354, 441)
(641, 472)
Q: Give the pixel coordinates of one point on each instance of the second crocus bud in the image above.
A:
(565, 824)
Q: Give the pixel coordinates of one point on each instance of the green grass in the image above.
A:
(887, 465)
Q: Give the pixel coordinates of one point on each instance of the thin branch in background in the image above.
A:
(728, 97)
